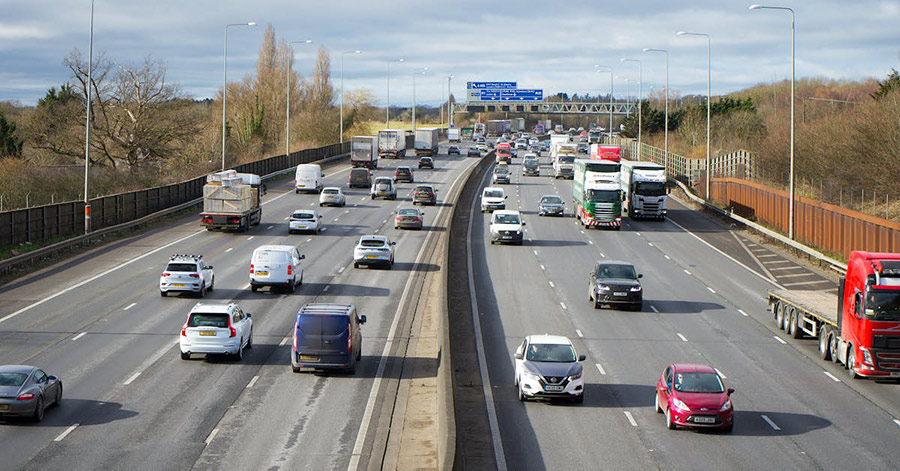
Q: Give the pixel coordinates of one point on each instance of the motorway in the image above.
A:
(130, 402)
(704, 302)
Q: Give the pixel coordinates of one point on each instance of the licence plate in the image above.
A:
(4, 406)
(178, 285)
(371, 256)
(553, 388)
(301, 186)
(705, 420)
(895, 374)
(309, 357)
(208, 333)
(620, 293)
(262, 273)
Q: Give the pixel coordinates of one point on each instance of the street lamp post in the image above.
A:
(423, 69)
(287, 114)
(627, 87)
(666, 133)
(449, 106)
(793, 70)
(225, 81)
(87, 127)
(387, 119)
(708, 86)
(640, 100)
(611, 73)
(342, 90)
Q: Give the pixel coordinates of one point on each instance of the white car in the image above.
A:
(374, 250)
(277, 266)
(304, 220)
(548, 368)
(507, 226)
(332, 195)
(188, 273)
(492, 198)
(216, 329)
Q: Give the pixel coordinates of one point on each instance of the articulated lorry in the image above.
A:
(498, 127)
(597, 193)
(391, 144)
(860, 326)
(644, 184)
(364, 152)
(231, 201)
(427, 141)
(562, 156)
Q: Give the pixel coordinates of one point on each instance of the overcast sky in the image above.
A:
(539, 44)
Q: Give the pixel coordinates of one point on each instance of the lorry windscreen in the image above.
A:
(603, 196)
(650, 189)
(566, 159)
(883, 305)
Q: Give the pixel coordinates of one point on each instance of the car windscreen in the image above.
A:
(303, 216)
(426, 189)
(382, 181)
(199, 319)
(268, 256)
(331, 191)
(506, 219)
(12, 379)
(408, 212)
(402, 170)
(698, 383)
(551, 200)
(651, 189)
(314, 324)
(501, 170)
(371, 243)
(883, 305)
(188, 267)
(493, 194)
(557, 353)
(616, 271)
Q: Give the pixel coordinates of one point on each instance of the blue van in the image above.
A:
(327, 337)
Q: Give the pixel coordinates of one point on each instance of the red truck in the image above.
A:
(860, 326)
(606, 152)
(504, 152)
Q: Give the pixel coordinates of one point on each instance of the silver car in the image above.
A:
(332, 195)
(383, 187)
(374, 250)
(303, 220)
(409, 218)
(26, 391)
(189, 273)
(551, 205)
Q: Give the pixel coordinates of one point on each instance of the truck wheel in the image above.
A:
(851, 362)
(824, 341)
(779, 314)
(833, 347)
(795, 325)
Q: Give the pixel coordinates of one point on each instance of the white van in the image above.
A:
(309, 177)
(276, 266)
(493, 198)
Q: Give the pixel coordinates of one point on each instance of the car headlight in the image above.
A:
(518, 231)
(635, 288)
(602, 288)
(679, 404)
(575, 376)
(725, 406)
(531, 375)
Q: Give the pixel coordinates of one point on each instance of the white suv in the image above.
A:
(277, 266)
(332, 195)
(507, 226)
(548, 368)
(492, 198)
(216, 329)
(186, 273)
(374, 250)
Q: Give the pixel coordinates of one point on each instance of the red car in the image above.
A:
(694, 396)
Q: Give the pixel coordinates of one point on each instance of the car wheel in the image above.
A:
(728, 428)
(824, 341)
(58, 401)
(521, 393)
(162, 293)
(185, 355)
(796, 332)
(355, 265)
(239, 355)
(833, 347)
(250, 339)
(254, 288)
(202, 290)
(212, 285)
(292, 286)
(38, 410)
(301, 280)
(656, 404)
(579, 398)
(295, 369)
(670, 424)
(779, 314)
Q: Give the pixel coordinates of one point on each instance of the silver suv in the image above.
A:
(188, 273)
(384, 187)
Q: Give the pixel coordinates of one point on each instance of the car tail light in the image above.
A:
(290, 270)
(25, 397)
(233, 332)
(183, 333)
(349, 338)
(294, 345)
(415, 219)
(165, 274)
(195, 275)
(235, 221)
(251, 268)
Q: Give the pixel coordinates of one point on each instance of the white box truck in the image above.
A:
(563, 157)
(364, 152)
(453, 134)
(391, 143)
(426, 142)
(644, 184)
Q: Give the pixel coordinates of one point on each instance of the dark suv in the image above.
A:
(327, 337)
(403, 174)
(425, 194)
(616, 283)
(426, 162)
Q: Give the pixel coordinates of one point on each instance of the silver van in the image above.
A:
(277, 266)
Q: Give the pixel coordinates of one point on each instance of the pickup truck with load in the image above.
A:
(391, 143)
(644, 184)
(860, 326)
(427, 142)
(231, 201)
(364, 152)
(563, 157)
(597, 193)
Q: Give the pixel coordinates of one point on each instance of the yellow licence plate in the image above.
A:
(210, 333)
(178, 285)
(262, 273)
(4, 406)
(309, 357)
(371, 256)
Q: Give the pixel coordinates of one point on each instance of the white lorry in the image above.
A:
(563, 157)
(391, 144)
(453, 134)
(426, 141)
(644, 184)
(364, 152)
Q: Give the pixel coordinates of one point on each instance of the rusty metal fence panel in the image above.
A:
(60, 220)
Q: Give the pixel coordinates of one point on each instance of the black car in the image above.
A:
(473, 152)
(551, 205)
(403, 174)
(453, 149)
(327, 337)
(426, 162)
(616, 283)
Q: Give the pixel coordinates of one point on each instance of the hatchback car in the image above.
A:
(507, 227)
(492, 198)
(500, 175)
(327, 337)
(453, 149)
(409, 218)
(332, 196)
(304, 220)
(403, 174)
(383, 187)
(188, 273)
(473, 152)
(615, 283)
(694, 396)
(426, 162)
(551, 205)
(374, 250)
(277, 266)
(26, 391)
(548, 368)
(425, 194)
(216, 329)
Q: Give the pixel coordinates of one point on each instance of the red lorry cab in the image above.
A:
(606, 152)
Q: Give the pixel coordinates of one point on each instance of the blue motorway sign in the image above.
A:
(491, 85)
(510, 95)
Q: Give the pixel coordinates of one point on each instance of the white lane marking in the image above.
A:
(795, 267)
(250, 238)
(897, 421)
(384, 222)
(355, 205)
(686, 271)
(269, 228)
(833, 377)
(338, 219)
(132, 378)
(591, 242)
(602, 255)
(129, 306)
(283, 341)
(79, 336)
(600, 368)
(682, 337)
(638, 233)
(551, 284)
(286, 218)
(542, 267)
(653, 308)
(309, 240)
(779, 340)
(212, 436)
(326, 288)
(562, 304)
(535, 252)
(246, 286)
(722, 375)
(65, 433)
(312, 204)
(769, 421)
(252, 381)
(323, 229)
(106, 272)
(650, 244)
(346, 211)
(579, 333)
(229, 249)
(667, 257)
(743, 313)
(376, 230)
(341, 270)
(711, 290)
(630, 419)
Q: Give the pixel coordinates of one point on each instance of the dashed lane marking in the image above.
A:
(579, 333)
(630, 419)
(270, 228)
(229, 249)
(686, 271)
(212, 436)
(591, 242)
(283, 342)
(779, 340)
(326, 288)
(653, 308)
(341, 269)
(129, 306)
(600, 368)
(667, 257)
(833, 377)
(742, 312)
(711, 290)
(132, 378)
(771, 424)
(252, 381)
(562, 304)
(542, 267)
(65, 433)
(551, 284)
(79, 336)
(682, 337)
(250, 238)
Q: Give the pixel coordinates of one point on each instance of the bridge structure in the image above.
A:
(621, 108)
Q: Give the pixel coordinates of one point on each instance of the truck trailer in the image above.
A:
(860, 326)
(364, 152)
(563, 159)
(231, 201)
(498, 127)
(391, 144)
(597, 193)
(427, 142)
(644, 184)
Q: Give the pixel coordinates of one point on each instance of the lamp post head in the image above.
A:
(357, 52)
(647, 49)
(252, 23)
(755, 7)
(401, 60)
(681, 33)
(308, 41)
